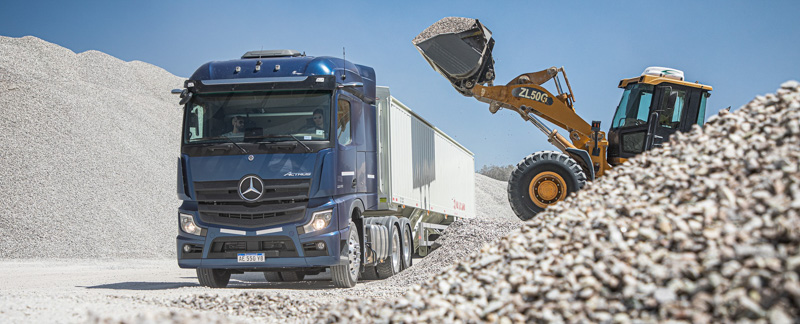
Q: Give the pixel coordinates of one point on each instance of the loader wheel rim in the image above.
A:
(547, 188)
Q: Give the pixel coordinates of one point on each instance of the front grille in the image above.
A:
(273, 247)
(283, 201)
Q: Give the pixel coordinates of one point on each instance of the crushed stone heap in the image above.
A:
(444, 26)
(706, 229)
(90, 145)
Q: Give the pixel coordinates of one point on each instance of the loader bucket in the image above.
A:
(461, 50)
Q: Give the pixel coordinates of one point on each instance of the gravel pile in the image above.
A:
(443, 26)
(89, 154)
(706, 229)
(494, 219)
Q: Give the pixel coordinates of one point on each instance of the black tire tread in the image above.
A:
(340, 273)
(515, 198)
(273, 276)
(213, 278)
(385, 269)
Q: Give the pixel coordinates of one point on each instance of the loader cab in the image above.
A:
(653, 107)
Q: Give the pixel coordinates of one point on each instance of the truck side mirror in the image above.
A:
(185, 97)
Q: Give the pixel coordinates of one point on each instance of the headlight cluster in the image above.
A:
(319, 221)
(188, 225)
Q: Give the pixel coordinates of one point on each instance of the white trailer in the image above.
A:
(423, 174)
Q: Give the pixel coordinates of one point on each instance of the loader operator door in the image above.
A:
(648, 115)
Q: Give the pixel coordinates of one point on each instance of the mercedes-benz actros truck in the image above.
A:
(291, 165)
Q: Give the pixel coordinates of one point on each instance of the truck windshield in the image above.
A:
(634, 107)
(258, 116)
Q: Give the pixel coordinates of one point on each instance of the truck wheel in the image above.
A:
(346, 275)
(273, 276)
(214, 278)
(407, 242)
(541, 180)
(369, 273)
(291, 276)
(284, 276)
(392, 266)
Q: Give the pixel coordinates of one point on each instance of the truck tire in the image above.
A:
(213, 278)
(407, 242)
(273, 276)
(346, 275)
(369, 273)
(543, 179)
(393, 264)
(284, 276)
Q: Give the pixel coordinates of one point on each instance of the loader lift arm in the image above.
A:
(526, 96)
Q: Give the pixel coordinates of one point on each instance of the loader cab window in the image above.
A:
(634, 107)
(701, 113)
(343, 122)
(671, 107)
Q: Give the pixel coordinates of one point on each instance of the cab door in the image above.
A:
(670, 114)
(345, 145)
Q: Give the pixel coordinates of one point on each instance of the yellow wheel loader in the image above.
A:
(654, 105)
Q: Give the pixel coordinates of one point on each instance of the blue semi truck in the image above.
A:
(291, 165)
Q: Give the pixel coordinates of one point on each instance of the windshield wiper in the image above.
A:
(308, 149)
(232, 142)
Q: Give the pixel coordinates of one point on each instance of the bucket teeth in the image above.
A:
(460, 49)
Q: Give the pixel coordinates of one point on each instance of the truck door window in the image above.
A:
(343, 124)
(670, 116)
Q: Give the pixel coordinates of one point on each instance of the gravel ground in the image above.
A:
(706, 229)
(89, 156)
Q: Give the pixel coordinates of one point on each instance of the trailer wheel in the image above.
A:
(393, 265)
(214, 278)
(346, 275)
(407, 244)
(541, 180)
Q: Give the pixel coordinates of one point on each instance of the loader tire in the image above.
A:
(541, 180)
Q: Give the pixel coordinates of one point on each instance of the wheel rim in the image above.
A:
(396, 251)
(547, 188)
(407, 248)
(355, 255)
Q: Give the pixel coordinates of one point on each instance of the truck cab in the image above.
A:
(654, 106)
(280, 172)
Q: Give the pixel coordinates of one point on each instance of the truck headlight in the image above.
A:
(319, 221)
(188, 225)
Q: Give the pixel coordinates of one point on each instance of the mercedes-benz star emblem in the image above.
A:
(251, 188)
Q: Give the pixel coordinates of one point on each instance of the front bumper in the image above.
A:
(282, 246)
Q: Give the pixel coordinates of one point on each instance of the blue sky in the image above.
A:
(741, 48)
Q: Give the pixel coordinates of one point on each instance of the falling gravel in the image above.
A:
(89, 155)
(443, 26)
(706, 229)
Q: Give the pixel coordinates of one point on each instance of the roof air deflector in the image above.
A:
(271, 53)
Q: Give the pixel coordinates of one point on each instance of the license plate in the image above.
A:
(250, 257)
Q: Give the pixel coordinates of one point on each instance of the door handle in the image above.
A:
(354, 182)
